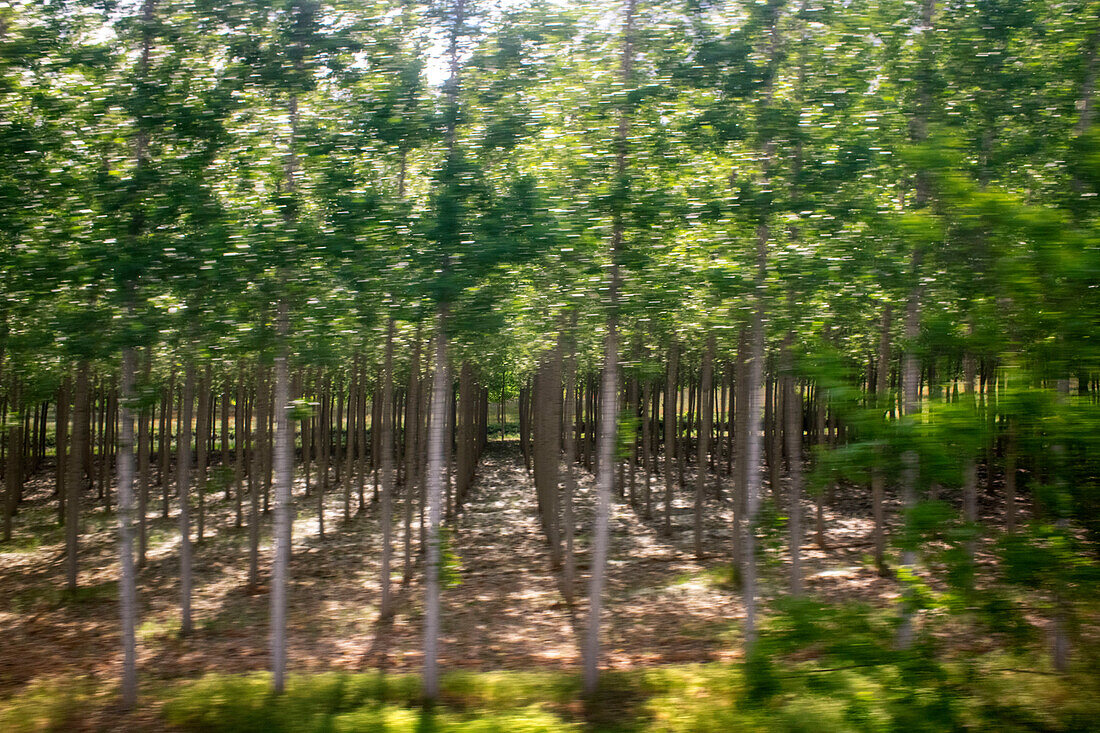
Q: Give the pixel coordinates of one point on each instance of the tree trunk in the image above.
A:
(878, 479)
(61, 431)
(437, 457)
(202, 430)
(144, 473)
(166, 405)
(909, 458)
(672, 379)
(647, 453)
(75, 481)
(323, 437)
(569, 571)
(970, 466)
(706, 408)
(126, 587)
(284, 474)
(822, 442)
(792, 405)
(338, 455)
(13, 464)
(361, 443)
(547, 426)
(740, 477)
(387, 471)
(255, 438)
(183, 479)
(412, 452)
(238, 445)
(753, 437)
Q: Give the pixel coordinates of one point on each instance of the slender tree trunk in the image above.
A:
(361, 445)
(547, 426)
(706, 408)
(753, 437)
(437, 458)
(349, 455)
(792, 405)
(202, 430)
(284, 474)
(412, 426)
(338, 455)
(822, 442)
(878, 479)
(323, 439)
(740, 476)
(126, 587)
(569, 570)
(255, 438)
(609, 390)
(238, 445)
(144, 473)
(61, 431)
(183, 479)
(771, 460)
(387, 472)
(632, 401)
(166, 443)
(911, 371)
(672, 379)
(909, 458)
(647, 452)
(307, 424)
(970, 465)
(13, 465)
(75, 480)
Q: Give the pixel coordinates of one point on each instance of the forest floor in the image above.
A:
(503, 610)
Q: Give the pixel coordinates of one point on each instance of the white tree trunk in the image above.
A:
(284, 446)
(437, 452)
(126, 589)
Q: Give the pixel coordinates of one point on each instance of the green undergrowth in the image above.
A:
(815, 667)
(910, 694)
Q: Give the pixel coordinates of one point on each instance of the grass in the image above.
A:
(910, 693)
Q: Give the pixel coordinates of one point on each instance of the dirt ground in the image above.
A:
(505, 609)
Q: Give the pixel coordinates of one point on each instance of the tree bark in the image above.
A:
(255, 438)
(127, 587)
(387, 472)
(878, 478)
(569, 571)
(792, 405)
(183, 479)
(75, 481)
(13, 464)
(672, 379)
(144, 473)
(437, 456)
(284, 474)
(202, 430)
(547, 426)
(61, 431)
(412, 453)
(706, 408)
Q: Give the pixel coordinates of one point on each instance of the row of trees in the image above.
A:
(709, 232)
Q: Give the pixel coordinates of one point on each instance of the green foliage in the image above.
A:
(450, 564)
(890, 691)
